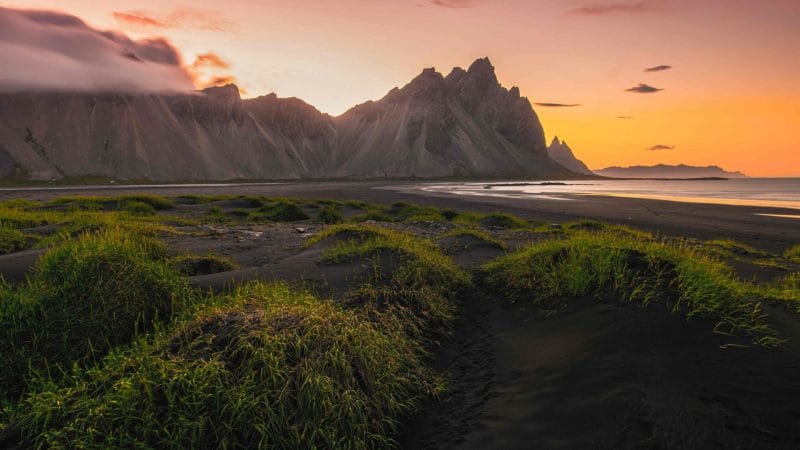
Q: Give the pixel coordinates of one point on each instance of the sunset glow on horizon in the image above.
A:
(623, 82)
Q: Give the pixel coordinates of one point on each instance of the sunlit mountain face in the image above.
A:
(624, 82)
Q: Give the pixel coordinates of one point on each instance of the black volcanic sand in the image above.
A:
(599, 374)
(607, 375)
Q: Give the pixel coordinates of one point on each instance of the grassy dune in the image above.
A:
(608, 264)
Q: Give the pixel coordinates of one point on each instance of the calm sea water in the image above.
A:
(771, 192)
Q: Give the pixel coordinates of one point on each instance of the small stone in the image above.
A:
(300, 229)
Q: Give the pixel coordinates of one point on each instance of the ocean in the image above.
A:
(766, 192)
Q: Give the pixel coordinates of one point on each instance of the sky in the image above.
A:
(723, 85)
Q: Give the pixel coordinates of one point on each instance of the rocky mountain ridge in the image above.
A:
(464, 124)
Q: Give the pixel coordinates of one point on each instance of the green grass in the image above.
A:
(372, 214)
(594, 226)
(330, 214)
(156, 201)
(280, 211)
(793, 253)
(405, 212)
(203, 199)
(729, 247)
(193, 265)
(85, 297)
(609, 265)
(137, 208)
(270, 368)
(216, 214)
(503, 220)
(477, 234)
(12, 240)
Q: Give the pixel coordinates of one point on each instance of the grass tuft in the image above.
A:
(12, 240)
(193, 265)
(607, 264)
(330, 214)
(280, 211)
(85, 297)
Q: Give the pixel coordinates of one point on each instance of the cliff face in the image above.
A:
(464, 124)
(560, 152)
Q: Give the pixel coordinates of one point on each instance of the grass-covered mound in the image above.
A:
(330, 214)
(12, 240)
(280, 211)
(269, 368)
(193, 265)
(609, 264)
(422, 283)
(85, 297)
(475, 234)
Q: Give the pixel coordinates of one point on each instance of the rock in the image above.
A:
(561, 153)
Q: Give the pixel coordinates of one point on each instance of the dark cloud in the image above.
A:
(457, 3)
(558, 105)
(602, 9)
(48, 50)
(658, 68)
(184, 17)
(643, 89)
(661, 147)
(210, 59)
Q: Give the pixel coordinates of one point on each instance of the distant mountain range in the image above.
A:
(560, 152)
(464, 124)
(667, 171)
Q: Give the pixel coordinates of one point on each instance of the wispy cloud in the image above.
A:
(624, 117)
(602, 9)
(643, 89)
(190, 18)
(457, 3)
(660, 68)
(210, 59)
(558, 105)
(661, 147)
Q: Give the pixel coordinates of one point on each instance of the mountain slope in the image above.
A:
(464, 124)
(560, 152)
(211, 136)
(668, 171)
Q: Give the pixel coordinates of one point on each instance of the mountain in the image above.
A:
(667, 171)
(465, 124)
(560, 152)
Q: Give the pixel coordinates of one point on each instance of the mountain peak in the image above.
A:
(481, 65)
(428, 76)
(229, 92)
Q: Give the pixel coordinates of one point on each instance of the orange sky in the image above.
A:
(731, 98)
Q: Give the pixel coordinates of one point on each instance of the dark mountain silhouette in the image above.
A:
(464, 124)
(562, 154)
(667, 171)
